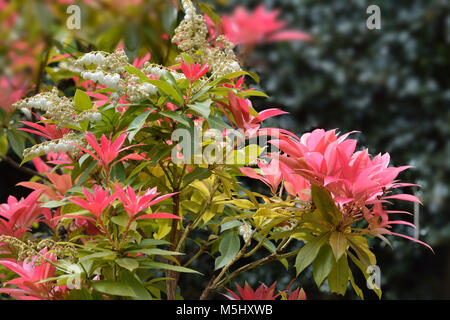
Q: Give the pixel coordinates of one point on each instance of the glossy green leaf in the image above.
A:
(322, 264)
(181, 118)
(137, 124)
(109, 40)
(138, 288)
(202, 108)
(325, 204)
(197, 174)
(128, 263)
(82, 101)
(309, 251)
(113, 288)
(228, 248)
(16, 141)
(155, 251)
(3, 145)
(338, 243)
(165, 87)
(339, 276)
(166, 266)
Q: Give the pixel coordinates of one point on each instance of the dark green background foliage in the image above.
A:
(392, 85)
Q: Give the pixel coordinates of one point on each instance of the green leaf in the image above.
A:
(202, 108)
(165, 87)
(132, 41)
(137, 170)
(308, 253)
(166, 266)
(197, 174)
(229, 225)
(137, 72)
(360, 246)
(181, 118)
(325, 204)
(155, 251)
(206, 8)
(338, 243)
(138, 288)
(121, 220)
(152, 242)
(3, 145)
(86, 173)
(228, 248)
(158, 152)
(127, 263)
(363, 269)
(113, 288)
(103, 255)
(252, 92)
(234, 75)
(137, 124)
(217, 122)
(16, 142)
(322, 264)
(53, 204)
(82, 101)
(109, 39)
(169, 18)
(339, 275)
(355, 286)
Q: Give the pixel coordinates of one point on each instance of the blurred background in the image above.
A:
(392, 85)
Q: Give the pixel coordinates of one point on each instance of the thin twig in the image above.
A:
(17, 166)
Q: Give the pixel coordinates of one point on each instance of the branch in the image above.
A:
(191, 227)
(269, 258)
(17, 166)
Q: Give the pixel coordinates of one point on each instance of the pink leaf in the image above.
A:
(403, 196)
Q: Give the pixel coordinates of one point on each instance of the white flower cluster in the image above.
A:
(89, 115)
(136, 90)
(191, 37)
(42, 101)
(161, 71)
(115, 62)
(57, 108)
(68, 65)
(96, 58)
(66, 144)
(188, 8)
(246, 231)
(112, 81)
